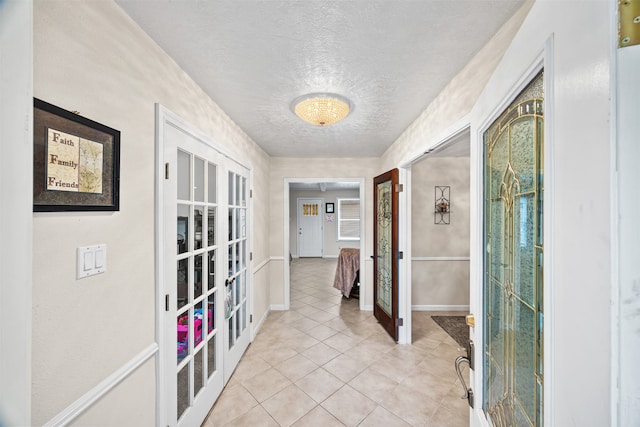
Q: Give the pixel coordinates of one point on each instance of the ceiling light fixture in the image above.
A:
(321, 109)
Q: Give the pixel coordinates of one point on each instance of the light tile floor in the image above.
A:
(326, 363)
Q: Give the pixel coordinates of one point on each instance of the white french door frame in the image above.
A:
(544, 60)
(165, 116)
(365, 267)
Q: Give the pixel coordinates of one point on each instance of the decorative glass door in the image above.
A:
(385, 259)
(513, 280)
(236, 305)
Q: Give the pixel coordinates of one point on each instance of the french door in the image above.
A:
(204, 282)
(385, 249)
(513, 277)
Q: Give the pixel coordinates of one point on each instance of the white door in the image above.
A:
(199, 345)
(236, 303)
(310, 238)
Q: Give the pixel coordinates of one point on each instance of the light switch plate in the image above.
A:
(91, 260)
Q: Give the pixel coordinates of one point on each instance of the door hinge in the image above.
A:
(250, 256)
(400, 255)
(251, 318)
(166, 170)
(399, 322)
(166, 302)
(399, 188)
(250, 194)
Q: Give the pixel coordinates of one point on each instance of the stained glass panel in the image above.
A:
(384, 256)
(513, 197)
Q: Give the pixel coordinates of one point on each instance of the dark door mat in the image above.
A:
(456, 327)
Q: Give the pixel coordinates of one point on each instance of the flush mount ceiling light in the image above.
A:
(321, 109)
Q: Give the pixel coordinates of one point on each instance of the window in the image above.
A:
(348, 219)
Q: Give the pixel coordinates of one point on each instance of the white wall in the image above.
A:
(91, 57)
(16, 188)
(330, 232)
(440, 253)
(577, 198)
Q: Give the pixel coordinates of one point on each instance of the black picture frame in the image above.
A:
(76, 162)
(328, 208)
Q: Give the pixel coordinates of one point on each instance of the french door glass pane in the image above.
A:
(184, 175)
(211, 357)
(198, 371)
(183, 389)
(212, 183)
(198, 180)
(198, 212)
(184, 216)
(197, 276)
(183, 283)
(211, 256)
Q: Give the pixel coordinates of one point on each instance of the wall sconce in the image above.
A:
(442, 205)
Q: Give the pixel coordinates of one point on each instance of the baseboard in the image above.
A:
(72, 411)
(330, 256)
(367, 308)
(439, 308)
(258, 325)
(278, 307)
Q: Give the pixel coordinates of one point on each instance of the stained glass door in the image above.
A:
(385, 249)
(513, 280)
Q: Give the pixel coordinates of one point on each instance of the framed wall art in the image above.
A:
(76, 162)
(329, 208)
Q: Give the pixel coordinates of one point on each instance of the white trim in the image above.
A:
(404, 268)
(549, 235)
(276, 258)
(286, 233)
(259, 324)
(260, 266)
(330, 256)
(441, 258)
(367, 307)
(16, 213)
(278, 307)
(449, 134)
(72, 411)
(440, 308)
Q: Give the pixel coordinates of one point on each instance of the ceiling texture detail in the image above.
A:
(389, 58)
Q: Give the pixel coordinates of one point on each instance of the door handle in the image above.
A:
(468, 392)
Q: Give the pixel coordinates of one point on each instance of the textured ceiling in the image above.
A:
(389, 58)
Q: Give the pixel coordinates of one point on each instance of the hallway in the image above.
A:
(326, 363)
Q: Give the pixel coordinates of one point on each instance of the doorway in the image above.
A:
(204, 289)
(329, 190)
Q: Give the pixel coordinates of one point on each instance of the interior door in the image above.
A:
(191, 348)
(310, 239)
(236, 303)
(385, 249)
(204, 281)
(513, 282)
